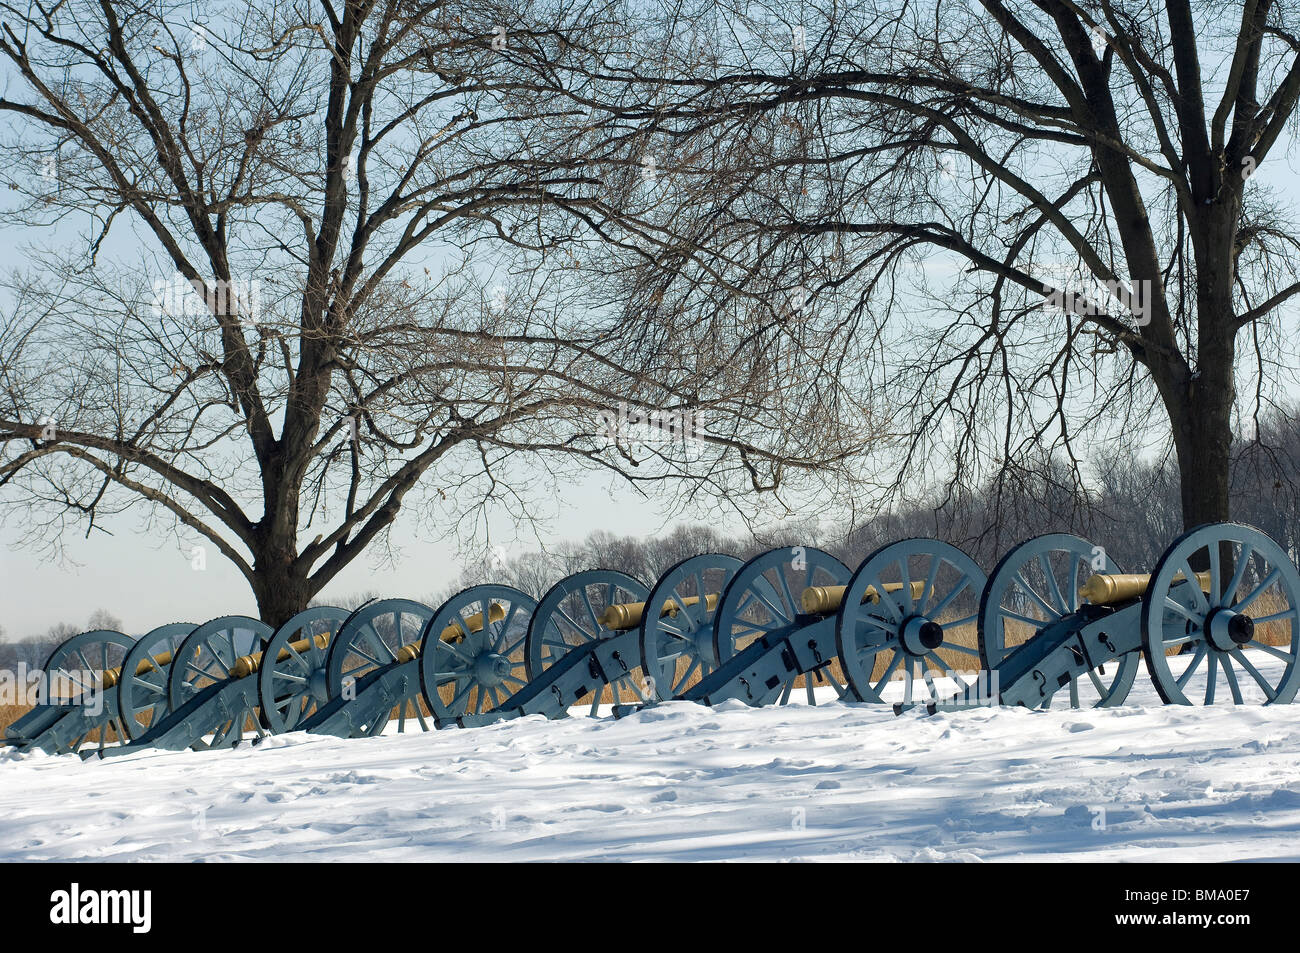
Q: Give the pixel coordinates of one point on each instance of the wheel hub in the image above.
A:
(318, 686)
(491, 668)
(1228, 630)
(920, 635)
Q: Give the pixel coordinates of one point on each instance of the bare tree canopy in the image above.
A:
(307, 256)
(1032, 224)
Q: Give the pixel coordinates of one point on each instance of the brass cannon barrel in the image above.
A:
(628, 615)
(453, 632)
(823, 600)
(246, 665)
(1103, 590)
(113, 675)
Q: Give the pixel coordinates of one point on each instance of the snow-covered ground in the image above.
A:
(683, 782)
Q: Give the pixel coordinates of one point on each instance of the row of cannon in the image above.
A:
(917, 624)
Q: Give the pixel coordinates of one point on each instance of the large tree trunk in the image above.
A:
(281, 591)
(1202, 419)
(280, 580)
(1203, 442)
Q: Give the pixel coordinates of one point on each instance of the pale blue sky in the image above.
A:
(148, 580)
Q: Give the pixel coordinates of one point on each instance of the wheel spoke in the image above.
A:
(1036, 623)
(1097, 684)
(952, 594)
(1201, 652)
(561, 616)
(942, 666)
(1276, 616)
(778, 619)
(1074, 583)
(1196, 635)
(1274, 651)
(906, 589)
(686, 677)
(586, 603)
(369, 658)
(1029, 591)
(889, 670)
(1231, 677)
(1053, 589)
(928, 589)
(1194, 586)
(1260, 680)
(1268, 581)
(455, 650)
(1215, 569)
(1174, 605)
(1230, 590)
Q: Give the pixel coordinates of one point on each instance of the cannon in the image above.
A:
(75, 706)
(209, 700)
(141, 683)
(291, 672)
(578, 644)
(906, 603)
(1191, 626)
(194, 687)
(373, 668)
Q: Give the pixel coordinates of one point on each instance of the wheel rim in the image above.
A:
(678, 649)
(371, 639)
(905, 632)
(478, 670)
(764, 595)
(569, 616)
(1036, 583)
(142, 695)
(291, 688)
(1251, 578)
(208, 654)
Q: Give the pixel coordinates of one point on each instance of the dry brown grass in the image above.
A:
(1279, 631)
(1267, 603)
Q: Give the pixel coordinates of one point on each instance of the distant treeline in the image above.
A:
(1129, 505)
(33, 650)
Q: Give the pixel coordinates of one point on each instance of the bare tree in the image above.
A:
(261, 318)
(103, 619)
(1032, 224)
